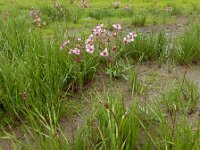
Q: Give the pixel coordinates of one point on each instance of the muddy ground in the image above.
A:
(156, 81)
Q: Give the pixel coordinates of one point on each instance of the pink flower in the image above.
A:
(63, 45)
(89, 48)
(75, 51)
(98, 30)
(117, 26)
(90, 39)
(132, 34)
(125, 40)
(104, 53)
(130, 37)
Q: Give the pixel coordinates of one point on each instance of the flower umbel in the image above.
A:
(98, 30)
(130, 37)
(75, 51)
(89, 48)
(64, 44)
(117, 26)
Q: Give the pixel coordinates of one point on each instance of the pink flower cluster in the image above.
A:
(90, 44)
(98, 30)
(36, 16)
(64, 44)
(117, 26)
(130, 37)
(75, 51)
(101, 39)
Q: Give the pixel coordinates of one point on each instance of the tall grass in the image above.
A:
(182, 98)
(136, 84)
(148, 47)
(112, 125)
(35, 71)
(99, 13)
(176, 11)
(139, 20)
(125, 12)
(188, 48)
(61, 13)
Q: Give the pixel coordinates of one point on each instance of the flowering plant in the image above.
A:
(100, 44)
